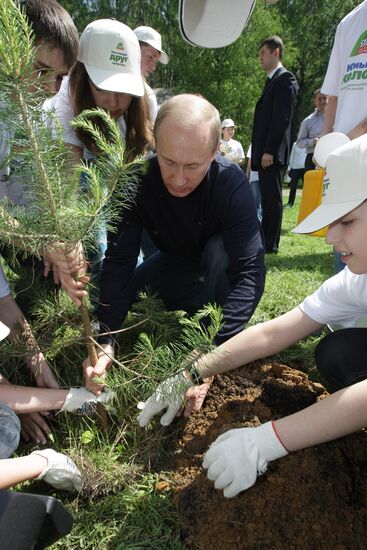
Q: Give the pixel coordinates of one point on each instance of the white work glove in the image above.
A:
(169, 395)
(237, 457)
(80, 401)
(106, 398)
(60, 471)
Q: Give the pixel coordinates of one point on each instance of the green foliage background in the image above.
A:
(231, 77)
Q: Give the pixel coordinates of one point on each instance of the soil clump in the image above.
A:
(315, 498)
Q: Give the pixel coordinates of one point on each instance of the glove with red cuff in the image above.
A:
(237, 457)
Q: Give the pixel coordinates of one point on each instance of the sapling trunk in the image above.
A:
(92, 353)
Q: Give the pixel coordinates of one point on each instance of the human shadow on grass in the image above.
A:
(301, 262)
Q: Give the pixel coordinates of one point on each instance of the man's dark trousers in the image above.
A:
(271, 134)
(271, 180)
(186, 283)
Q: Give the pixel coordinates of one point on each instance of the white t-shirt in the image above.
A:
(61, 105)
(153, 103)
(254, 175)
(341, 301)
(4, 287)
(231, 149)
(346, 76)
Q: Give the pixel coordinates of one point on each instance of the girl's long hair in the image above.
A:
(139, 132)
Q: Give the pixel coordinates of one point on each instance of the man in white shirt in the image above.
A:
(311, 128)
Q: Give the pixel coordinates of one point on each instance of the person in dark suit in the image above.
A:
(271, 136)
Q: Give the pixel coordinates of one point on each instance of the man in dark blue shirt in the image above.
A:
(199, 211)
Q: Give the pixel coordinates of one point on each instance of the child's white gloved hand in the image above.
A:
(237, 457)
(60, 471)
(169, 395)
(80, 401)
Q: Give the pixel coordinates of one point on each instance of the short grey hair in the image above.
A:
(189, 110)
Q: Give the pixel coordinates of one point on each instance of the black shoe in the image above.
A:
(272, 251)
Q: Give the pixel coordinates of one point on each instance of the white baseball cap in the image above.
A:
(228, 123)
(346, 186)
(4, 331)
(154, 39)
(213, 23)
(110, 52)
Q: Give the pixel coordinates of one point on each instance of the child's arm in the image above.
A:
(256, 342)
(16, 470)
(55, 468)
(262, 340)
(237, 457)
(25, 400)
(339, 414)
(12, 317)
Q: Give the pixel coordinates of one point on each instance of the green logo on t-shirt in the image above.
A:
(360, 46)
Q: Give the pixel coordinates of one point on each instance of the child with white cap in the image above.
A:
(236, 458)
(151, 52)
(229, 147)
(106, 75)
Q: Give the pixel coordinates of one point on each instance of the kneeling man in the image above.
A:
(199, 211)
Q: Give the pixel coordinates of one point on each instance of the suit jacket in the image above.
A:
(272, 119)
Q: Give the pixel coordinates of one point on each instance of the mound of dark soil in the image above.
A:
(316, 498)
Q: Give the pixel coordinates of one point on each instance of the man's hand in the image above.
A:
(69, 269)
(34, 427)
(99, 370)
(195, 397)
(170, 395)
(237, 457)
(267, 160)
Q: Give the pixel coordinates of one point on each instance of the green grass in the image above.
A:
(120, 506)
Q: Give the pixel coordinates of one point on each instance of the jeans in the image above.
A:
(186, 283)
(341, 357)
(255, 187)
(9, 431)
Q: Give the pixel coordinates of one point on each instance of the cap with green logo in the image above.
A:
(110, 52)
